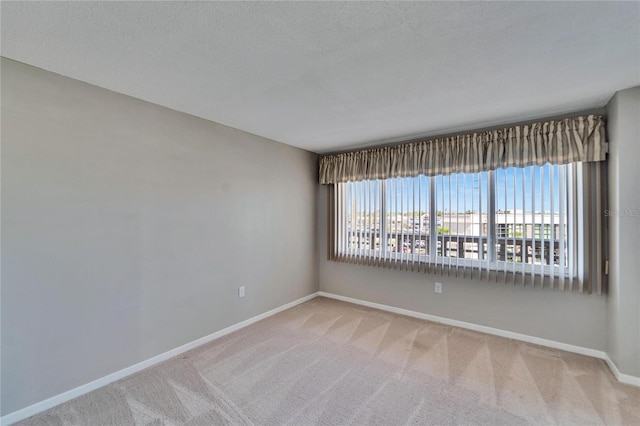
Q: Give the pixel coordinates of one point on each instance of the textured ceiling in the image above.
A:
(332, 75)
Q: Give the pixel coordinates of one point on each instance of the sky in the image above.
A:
(468, 192)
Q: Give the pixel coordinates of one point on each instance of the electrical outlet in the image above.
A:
(438, 288)
(241, 291)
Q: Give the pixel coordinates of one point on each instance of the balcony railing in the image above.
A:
(529, 250)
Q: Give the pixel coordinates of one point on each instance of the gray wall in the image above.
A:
(573, 318)
(623, 307)
(127, 228)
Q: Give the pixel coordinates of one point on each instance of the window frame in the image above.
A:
(485, 243)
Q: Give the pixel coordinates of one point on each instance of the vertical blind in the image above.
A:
(522, 225)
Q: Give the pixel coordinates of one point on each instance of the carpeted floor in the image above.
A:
(333, 363)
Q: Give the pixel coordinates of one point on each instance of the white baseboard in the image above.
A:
(38, 407)
(623, 378)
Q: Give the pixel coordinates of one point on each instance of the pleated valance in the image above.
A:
(571, 140)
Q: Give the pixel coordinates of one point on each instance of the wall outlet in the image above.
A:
(241, 291)
(438, 288)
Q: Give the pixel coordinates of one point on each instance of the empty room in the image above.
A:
(320, 213)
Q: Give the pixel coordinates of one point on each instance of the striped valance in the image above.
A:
(577, 139)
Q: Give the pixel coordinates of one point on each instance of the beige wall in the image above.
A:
(127, 228)
(572, 318)
(623, 307)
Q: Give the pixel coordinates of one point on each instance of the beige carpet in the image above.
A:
(333, 363)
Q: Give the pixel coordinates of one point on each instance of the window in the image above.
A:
(515, 220)
(525, 202)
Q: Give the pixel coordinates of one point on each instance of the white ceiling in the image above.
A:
(331, 75)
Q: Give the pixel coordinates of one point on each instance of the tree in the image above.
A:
(442, 230)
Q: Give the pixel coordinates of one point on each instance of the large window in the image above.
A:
(515, 220)
(524, 202)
